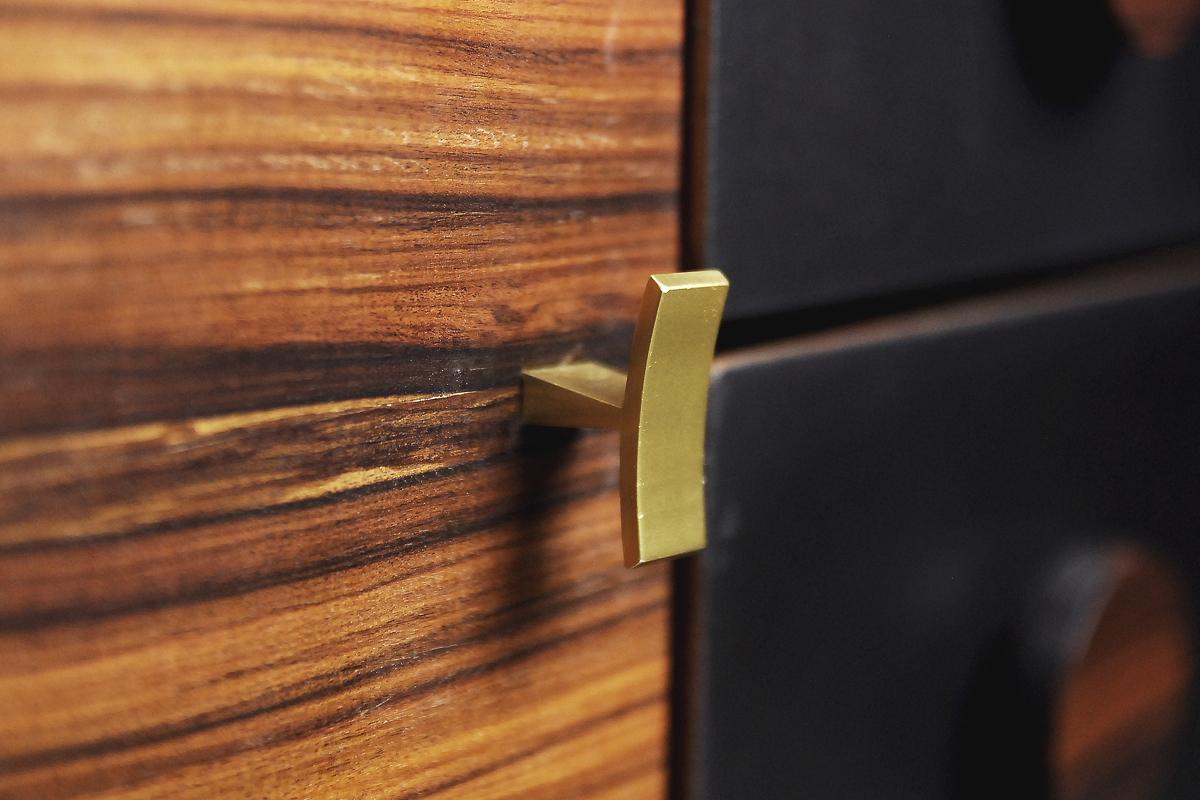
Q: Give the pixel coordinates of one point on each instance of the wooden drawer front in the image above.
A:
(882, 500)
(856, 149)
(268, 274)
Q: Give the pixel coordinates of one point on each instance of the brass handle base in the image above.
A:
(587, 395)
(660, 409)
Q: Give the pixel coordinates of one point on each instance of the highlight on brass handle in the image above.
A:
(659, 408)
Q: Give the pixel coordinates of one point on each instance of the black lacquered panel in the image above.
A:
(880, 505)
(857, 148)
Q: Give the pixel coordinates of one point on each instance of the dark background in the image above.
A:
(878, 514)
(857, 148)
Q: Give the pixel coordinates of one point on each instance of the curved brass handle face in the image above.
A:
(660, 410)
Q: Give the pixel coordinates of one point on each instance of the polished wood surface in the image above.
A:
(268, 276)
(1120, 712)
(1157, 28)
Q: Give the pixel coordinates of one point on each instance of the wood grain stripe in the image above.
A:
(269, 272)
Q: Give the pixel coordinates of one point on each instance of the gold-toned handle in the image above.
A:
(659, 408)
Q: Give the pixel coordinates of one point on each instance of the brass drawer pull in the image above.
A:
(660, 410)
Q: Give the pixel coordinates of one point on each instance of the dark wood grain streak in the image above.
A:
(443, 502)
(320, 686)
(84, 387)
(268, 275)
